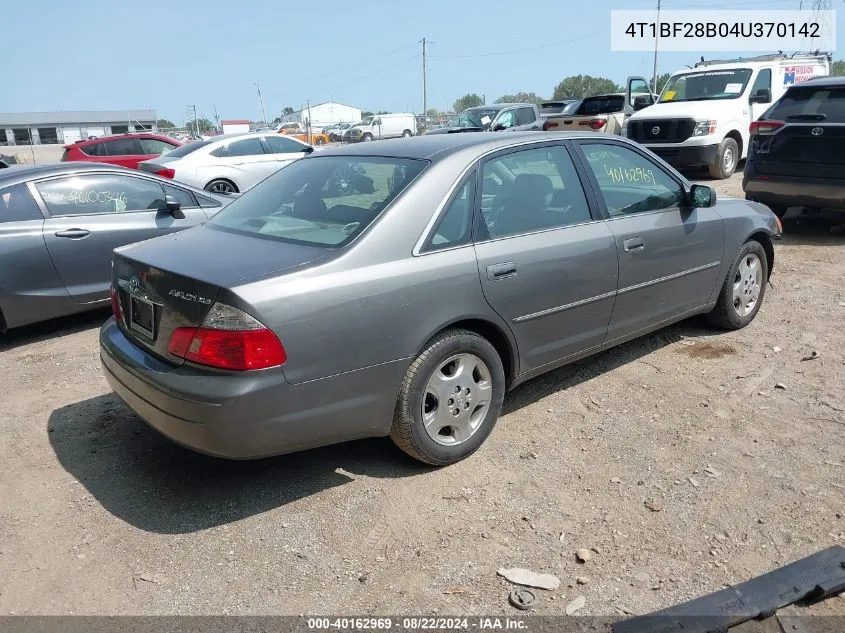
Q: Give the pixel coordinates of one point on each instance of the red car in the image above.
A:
(126, 150)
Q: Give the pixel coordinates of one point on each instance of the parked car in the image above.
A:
(384, 126)
(567, 106)
(476, 119)
(341, 298)
(795, 155)
(605, 113)
(59, 224)
(126, 150)
(703, 115)
(229, 163)
(336, 135)
(518, 117)
(313, 137)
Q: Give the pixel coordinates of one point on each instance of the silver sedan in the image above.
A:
(401, 288)
(229, 163)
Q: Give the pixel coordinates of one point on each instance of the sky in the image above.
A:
(170, 55)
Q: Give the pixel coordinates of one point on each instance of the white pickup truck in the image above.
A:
(605, 113)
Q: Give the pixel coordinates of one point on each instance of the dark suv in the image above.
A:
(126, 150)
(795, 156)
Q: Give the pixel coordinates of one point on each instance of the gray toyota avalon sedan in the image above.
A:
(401, 287)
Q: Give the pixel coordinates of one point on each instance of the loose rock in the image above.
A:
(654, 505)
(583, 555)
(576, 604)
(528, 578)
(582, 580)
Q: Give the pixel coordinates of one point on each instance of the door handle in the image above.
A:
(501, 271)
(74, 234)
(634, 244)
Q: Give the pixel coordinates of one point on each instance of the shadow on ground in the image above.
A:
(144, 479)
(53, 328)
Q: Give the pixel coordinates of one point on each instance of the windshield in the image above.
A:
(474, 118)
(571, 108)
(320, 201)
(601, 105)
(186, 149)
(705, 85)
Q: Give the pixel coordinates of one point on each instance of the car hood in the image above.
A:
(221, 257)
(699, 110)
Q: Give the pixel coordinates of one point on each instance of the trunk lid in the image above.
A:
(173, 281)
(806, 149)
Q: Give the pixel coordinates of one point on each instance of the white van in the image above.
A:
(385, 126)
(703, 114)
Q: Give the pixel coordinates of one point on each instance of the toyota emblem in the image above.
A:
(817, 131)
(655, 130)
(133, 285)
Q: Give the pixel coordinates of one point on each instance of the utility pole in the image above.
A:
(216, 119)
(425, 83)
(308, 103)
(263, 114)
(483, 99)
(656, 40)
(196, 121)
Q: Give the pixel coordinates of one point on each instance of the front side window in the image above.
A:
(100, 193)
(763, 82)
(184, 197)
(507, 118)
(629, 182)
(706, 85)
(280, 145)
(17, 205)
(320, 201)
(155, 146)
(532, 190)
(122, 147)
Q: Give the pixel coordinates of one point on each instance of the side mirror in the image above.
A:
(499, 127)
(763, 95)
(308, 149)
(174, 207)
(641, 102)
(702, 196)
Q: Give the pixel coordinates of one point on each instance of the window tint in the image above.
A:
(245, 147)
(95, 149)
(532, 190)
(184, 197)
(630, 182)
(122, 147)
(524, 116)
(17, 204)
(813, 100)
(88, 195)
(155, 146)
(454, 228)
(763, 81)
(278, 144)
(326, 201)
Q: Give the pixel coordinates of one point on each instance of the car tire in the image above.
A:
(727, 158)
(319, 141)
(367, 137)
(740, 285)
(221, 185)
(407, 133)
(478, 378)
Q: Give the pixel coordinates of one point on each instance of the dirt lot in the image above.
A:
(687, 460)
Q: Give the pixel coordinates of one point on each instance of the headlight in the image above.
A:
(704, 128)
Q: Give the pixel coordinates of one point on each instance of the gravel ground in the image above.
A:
(684, 461)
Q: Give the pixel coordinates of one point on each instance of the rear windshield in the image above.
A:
(186, 149)
(325, 200)
(552, 107)
(601, 105)
(828, 101)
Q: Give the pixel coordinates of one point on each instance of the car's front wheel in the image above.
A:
(745, 286)
(450, 398)
(727, 157)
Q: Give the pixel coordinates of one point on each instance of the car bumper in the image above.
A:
(806, 192)
(686, 155)
(252, 414)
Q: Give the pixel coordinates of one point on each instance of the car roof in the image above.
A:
(821, 81)
(436, 147)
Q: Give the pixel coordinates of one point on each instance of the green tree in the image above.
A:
(164, 123)
(520, 97)
(580, 86)
(467, 101)
(205, 126)
(837, 68)
(287, 111)
(432, 112)
(661, 81)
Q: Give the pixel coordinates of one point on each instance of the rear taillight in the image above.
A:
(546, 126)
(166, 172)
(595, 124)
(765, 127)
(115, 304)
(228, 339)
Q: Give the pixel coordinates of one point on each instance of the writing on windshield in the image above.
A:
(706, 85)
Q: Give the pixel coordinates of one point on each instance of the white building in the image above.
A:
(235, 126)
(50, 128)
(324, 114)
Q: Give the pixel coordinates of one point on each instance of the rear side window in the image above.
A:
(208, 203)
(828, 101)
(454, 228)
(17, 205)
(524, 116)
(321, 201)
(245, 147)
(601, 105)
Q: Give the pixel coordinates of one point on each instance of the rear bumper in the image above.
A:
(806, 192)
(249, 415)
(686, 155)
